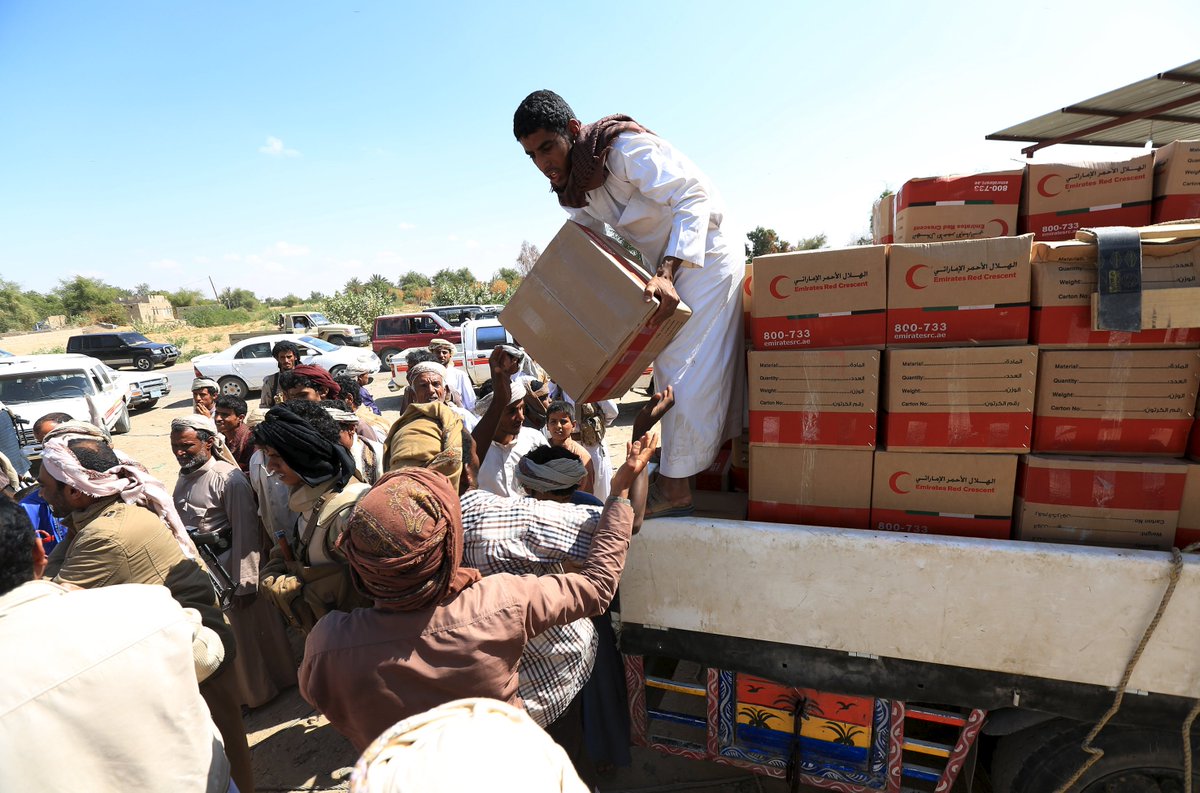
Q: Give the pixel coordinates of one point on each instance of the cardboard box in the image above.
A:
(1057, 200)
(947, 208)
(747, 299)
(739, 470)
(825, 398)
(1188, 530)
(962, 495)
(883, 220)
(969, 292)
(1177, 181)
(1137, 402)
(1099, 500)
(815, 487)
(959, 399)
(1064, 279)
(581, 314)
(716, 476)
(824, 298)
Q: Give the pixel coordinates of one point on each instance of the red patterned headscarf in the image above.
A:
(588, 157)
(404, 542)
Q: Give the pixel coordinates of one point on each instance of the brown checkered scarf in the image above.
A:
(588, 155)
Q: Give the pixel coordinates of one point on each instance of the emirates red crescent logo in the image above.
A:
(894, 483)
(774, 287)
(1003, 226)
(910, 277)
(746, 285)
(1043, 187)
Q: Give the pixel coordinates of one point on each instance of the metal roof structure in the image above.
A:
(1161, 109)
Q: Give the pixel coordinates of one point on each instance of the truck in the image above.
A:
(311, 323)
(397, 333)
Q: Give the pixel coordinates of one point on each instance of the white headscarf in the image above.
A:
(426, 367)
(128, 479)
(518, 393)
(508, 753)
(197, 422)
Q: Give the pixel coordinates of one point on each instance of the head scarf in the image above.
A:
(128, 479)
(205, 382)
(508, 750)
(321, 377)
(357, 370)
(404, 542)
(435, 343)
(305, 450)
(589, 156)
(342, 416)
(197, 422)
(82, 429)
(518, 393)
(553, 475)
(428, 435)
(427, 367)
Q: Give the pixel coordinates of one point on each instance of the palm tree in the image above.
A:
(377, 283)
(757, 717)
(843, 733)
(792, 702)
(354, 286)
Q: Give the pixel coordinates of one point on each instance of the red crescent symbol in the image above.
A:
(774, 282)
(912, 271)
(893, 483)
(746, 285)
(1041, 185)
(1003, 226)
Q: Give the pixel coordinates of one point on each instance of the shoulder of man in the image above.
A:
(342, 501)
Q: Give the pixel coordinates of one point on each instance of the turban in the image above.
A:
(428, 435)
(518, 393)
(427, 367)
(198, 422)
(404, 542)
(553, 475)
(127, 479)
(321, 377)
(356, 370)
(435, 343)
(80, 429)
(306, 451)
(205, 382)
(425, 752)
(342, 416)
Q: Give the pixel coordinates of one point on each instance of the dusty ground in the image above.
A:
(185, 337)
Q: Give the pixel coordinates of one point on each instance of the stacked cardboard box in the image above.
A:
(883, 220)
(948, 208)
(1058, 200)
(1177, 181)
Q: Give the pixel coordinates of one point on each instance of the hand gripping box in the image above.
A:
(947, 208)
(1058, 200)
(823, 398)
(815, 487)
(1132, 402)
(1064, 280)
(959, 399)
(1099, 500)
(581, 314)
(954, 293)
(818, 299)
(1177, 181)
(962, 495)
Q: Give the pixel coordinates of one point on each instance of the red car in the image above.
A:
(397, 332)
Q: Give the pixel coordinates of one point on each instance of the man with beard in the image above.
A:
(457, 379)
(287, 356)
(214, 497)
(617, 173)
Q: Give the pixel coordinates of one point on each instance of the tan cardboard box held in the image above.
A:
(1064, 279)
(1057, 200)
(819, 299)
(951, 293)
(963, 495)
(959, 399)
(816, 487)
(581, 314)
(883, 220)
(970, 207)
(1177, 181)
(1138, 402)
(814, 397)
(1099, 500)
(1188, 531)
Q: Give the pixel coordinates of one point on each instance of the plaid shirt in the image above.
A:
(524, 536)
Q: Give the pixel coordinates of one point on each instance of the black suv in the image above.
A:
(116, 349)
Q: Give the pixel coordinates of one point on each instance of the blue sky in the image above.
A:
(292, 146)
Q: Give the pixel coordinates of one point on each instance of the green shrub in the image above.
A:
(212, 315)
(50, 351)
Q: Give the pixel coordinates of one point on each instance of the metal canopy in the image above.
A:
(1161, 109)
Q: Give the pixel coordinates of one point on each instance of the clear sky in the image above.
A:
(289, 146)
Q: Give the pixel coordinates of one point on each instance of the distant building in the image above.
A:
(152, 310)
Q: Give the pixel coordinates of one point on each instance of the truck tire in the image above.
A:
(122, 424)
(232, 385)
(1044, 757)
(143, 363)
(148, 405)
(385, 356)
(336, 371)
(340, 341)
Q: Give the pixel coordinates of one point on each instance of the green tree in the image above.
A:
(811, 243)
(462, 275)
(357, 308)
(142, 290)
(315, 297)
(290, 300)
(377, 283)
(185, 297)
(17, 311)
(509, 275)
(413, 280)
(81, 295)
(353, 286)
(238, 298)
(764, 241)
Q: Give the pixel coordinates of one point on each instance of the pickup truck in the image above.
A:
(873, 661)
(395, 333)
(310, 323)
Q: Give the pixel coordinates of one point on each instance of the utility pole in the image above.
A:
(214, 288)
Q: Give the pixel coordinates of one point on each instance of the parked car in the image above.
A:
(241, 368)
(145, 391)
(479, 338)
(310, 323)
(456, 315)
(80, 386)
(125, 348)
(396, 332)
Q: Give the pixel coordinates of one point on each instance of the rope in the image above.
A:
(1094, 752)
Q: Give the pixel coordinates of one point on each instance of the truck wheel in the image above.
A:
(143, 363)
(231, 385)
(336, 371)
(385, 358)
(341, 341)
(1044, 757)
(122, 424)
(147, 405)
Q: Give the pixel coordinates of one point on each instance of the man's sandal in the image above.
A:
(657, 506)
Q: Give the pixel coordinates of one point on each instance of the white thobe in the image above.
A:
(601, 463)
(498, 471)
(663, 205)
(460, 382)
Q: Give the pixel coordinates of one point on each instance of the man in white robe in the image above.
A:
(616, 173)
(457, 378)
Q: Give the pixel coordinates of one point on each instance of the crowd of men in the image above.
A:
(448, 566)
